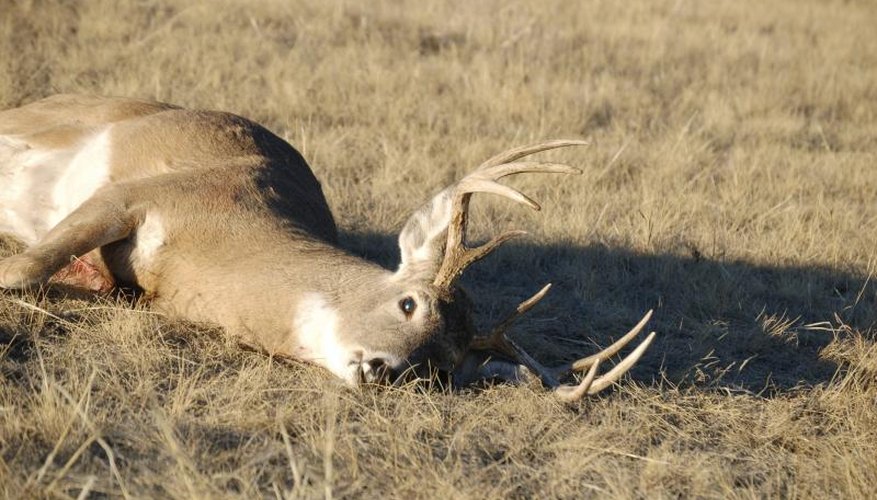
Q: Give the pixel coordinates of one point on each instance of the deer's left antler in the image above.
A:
(458, 255)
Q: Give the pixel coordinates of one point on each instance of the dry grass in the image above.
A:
(731, 185)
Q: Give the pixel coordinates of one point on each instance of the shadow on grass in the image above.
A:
(725, 324)
(721, 324)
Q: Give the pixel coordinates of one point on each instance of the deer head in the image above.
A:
(418, 319)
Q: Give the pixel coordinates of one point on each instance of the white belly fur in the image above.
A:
(148, 240)
(38, 188)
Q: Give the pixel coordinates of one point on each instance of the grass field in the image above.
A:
(731, 185)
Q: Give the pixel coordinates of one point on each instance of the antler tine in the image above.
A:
(484, 179)
(583, 364)
(525, 167)
(522, 309)
(518, 153)
(482, 251)
(496, 339)
(621, 368)
(472, 185)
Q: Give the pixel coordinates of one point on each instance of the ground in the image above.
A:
(730, 185)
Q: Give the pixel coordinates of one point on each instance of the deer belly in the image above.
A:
(39, 187)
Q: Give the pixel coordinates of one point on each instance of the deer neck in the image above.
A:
(285, 293)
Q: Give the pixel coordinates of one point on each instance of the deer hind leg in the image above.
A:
(68, 247)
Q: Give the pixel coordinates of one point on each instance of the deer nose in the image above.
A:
(377, 364)
(378, 369)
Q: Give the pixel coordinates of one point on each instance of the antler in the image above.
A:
(497, 341)
(458, 256)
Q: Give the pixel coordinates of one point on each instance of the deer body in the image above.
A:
(189, 211)
(219, 220)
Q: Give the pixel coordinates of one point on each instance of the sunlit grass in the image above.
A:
(730, 185)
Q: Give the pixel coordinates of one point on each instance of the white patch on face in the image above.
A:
(148, 239)
(316, 329)
(38, 188)
(315, 325)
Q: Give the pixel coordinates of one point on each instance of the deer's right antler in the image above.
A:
(458, 255)
(498, 342)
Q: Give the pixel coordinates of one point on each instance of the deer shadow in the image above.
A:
(731, 325)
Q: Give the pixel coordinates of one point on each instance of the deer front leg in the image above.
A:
(101, 220)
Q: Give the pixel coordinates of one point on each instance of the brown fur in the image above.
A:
(229, 192)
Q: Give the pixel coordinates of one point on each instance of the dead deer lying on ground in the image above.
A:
(219, 220)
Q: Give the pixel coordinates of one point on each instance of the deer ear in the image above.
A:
(422, 239)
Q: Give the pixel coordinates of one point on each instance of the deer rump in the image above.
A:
(219, 220)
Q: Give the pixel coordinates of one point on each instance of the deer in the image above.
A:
(218, 220)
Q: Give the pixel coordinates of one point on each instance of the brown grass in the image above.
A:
(731, 185)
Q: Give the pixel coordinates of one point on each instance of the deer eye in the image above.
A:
(407, 305)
